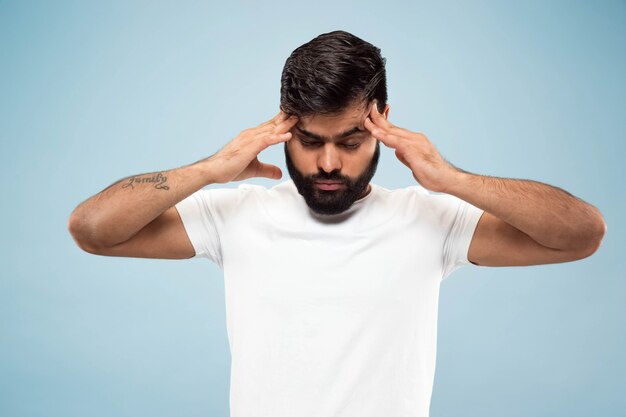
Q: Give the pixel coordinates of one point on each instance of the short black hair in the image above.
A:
(331, 72)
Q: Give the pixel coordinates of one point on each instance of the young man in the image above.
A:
(332, 282)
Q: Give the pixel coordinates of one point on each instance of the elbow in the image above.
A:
(600, 236)
(81, 233)
(595, 240)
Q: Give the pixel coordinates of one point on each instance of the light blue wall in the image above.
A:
(91, 93)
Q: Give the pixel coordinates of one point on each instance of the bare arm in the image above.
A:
(121, 210)
(135, 215)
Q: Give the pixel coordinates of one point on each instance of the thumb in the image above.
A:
(268, 171)
(402, 159)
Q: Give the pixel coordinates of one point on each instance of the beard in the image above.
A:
(332, 201)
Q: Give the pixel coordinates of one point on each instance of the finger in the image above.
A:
(369, 125)
(287, 124)
(279, 127)
(378, 118)
(274, 138)
(279, 117)
(398, 131)
(388, 139)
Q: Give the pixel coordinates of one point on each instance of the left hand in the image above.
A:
(414, 150)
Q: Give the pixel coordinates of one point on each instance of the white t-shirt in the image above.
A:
(330, 315)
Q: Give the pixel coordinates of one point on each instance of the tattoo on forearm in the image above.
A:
(159, 179)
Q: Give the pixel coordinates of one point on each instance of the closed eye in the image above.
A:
(307, 143)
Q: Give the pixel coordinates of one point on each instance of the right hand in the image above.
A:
(237, 160)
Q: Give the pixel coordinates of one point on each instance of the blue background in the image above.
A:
(91, 93)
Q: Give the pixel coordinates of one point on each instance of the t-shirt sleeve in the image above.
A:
(460, 222)
(204, 215)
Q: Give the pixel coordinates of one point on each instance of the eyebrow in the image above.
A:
(342, 135)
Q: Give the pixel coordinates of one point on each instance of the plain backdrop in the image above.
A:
(94, 92)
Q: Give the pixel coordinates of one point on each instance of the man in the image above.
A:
(332, 282)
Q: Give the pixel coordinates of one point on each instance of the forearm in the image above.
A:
(551, 216)
(119, 211)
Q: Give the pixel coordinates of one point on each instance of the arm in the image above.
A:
(551, 216)
(524, 223)
(118, 212)
(136, 216)
(527, 222)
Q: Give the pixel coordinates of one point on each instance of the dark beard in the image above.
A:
(332, 201)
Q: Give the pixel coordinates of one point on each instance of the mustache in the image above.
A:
(328, 177)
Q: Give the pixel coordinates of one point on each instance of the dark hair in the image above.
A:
(331, 72)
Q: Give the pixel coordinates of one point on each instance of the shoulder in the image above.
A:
(416, 199)
(246, 193)
(405, 195)
(224, 196)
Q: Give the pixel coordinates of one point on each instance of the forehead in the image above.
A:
(336, 123)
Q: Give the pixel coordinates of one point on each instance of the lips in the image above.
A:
(328, 185)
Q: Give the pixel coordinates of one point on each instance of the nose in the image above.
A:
(329, 159)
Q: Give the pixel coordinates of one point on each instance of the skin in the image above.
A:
(317, 152)
(414, 150)
(238, 159)
(525, 222)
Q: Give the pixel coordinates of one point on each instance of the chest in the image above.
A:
(386, 263)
